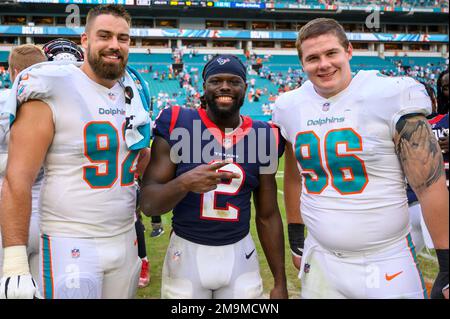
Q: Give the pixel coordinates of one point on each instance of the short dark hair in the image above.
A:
(112, 9)
(318, 27)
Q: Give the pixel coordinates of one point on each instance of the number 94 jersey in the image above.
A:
(353, 193)
(88, 188)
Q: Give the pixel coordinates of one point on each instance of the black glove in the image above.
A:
(296, 234)
(441, 281)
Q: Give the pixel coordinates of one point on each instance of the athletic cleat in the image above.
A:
(144, 278)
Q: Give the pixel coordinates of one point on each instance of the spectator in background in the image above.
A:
(442, 92)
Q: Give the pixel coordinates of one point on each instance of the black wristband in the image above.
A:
(442, 256)
(296, 235)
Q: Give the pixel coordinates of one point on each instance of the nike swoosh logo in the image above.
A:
(247, 256)
(389, 278)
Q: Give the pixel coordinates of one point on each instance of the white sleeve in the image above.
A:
(413, 99)
(34, 84)
(277, 118)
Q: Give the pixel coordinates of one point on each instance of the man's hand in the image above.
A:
(296, 235)
(143, 160)
(297, 261)
(19, 287)
(443, 143)
(17, 282)
(279, 293)
(440, 286)
(204, 178)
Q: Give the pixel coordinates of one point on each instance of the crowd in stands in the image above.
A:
(265, 85)
(4, 78)
(184, 86)
(426, 74)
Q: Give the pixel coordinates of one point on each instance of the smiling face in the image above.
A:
(327, 64)
(224, 94)
(107, 44)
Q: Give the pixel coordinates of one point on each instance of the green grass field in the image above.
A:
(156, 249)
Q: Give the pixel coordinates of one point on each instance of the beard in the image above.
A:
(224, 113)
(104, 70)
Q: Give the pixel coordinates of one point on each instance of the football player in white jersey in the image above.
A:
(20, 58)
(75, 118)
(353, 140)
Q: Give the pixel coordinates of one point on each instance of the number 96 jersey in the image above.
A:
(353, 193)
(88, 188)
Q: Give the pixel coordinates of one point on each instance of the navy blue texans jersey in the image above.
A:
(221, 216)
(439, 125)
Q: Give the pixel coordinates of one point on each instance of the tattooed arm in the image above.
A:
(422, 163)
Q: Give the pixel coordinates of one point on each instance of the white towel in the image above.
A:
(138, 122)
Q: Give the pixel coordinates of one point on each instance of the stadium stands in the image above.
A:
(391, 3)
(278, 74)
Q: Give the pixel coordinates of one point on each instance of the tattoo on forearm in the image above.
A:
(419, 152)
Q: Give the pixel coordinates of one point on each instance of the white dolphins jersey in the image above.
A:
(353, 192)
(4, 140)
(88, 188)
(4, 135)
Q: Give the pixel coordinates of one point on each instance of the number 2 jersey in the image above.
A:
(88, 188)
(222, 216)
(354, 192)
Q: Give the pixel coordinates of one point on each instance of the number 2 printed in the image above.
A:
(208, 207)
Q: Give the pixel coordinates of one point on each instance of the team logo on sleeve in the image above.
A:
(22, 86)
(307, 268)
(75, 252)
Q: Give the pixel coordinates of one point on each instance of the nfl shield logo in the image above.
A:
(326, 107)
(176, 255)
(307, 268)
(75, 253)
(227, 142)
(111, 96)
